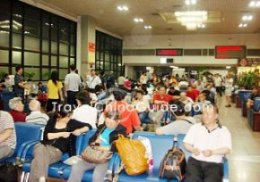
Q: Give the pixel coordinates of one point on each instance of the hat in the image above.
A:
(119, 94)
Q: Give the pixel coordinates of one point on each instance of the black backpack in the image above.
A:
(173, 164)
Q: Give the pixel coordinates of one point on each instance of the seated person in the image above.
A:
(208, 142)
(185, 99)
(130, 119)
(255, 93)
(100, 92)
(104, 137)
(160, 101)
(36, 116)
(172, 91)
(84, 112)
(192, 92)
(56, 142)
(7, 135)
(182, 123)
(201, 101)
(17, 109)
(142, 106)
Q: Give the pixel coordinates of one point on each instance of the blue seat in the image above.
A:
(25, 133)
(244, 95)
(254, 115)
(59, 169)
(6, 96)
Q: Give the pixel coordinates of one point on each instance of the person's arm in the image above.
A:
(60, 91)
(52, 136)
(5, 134)
(191, 149)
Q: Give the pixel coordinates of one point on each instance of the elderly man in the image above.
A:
(7, 135)
(36, 116)
(17, 109)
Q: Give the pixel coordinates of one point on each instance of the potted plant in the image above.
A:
(29, 75)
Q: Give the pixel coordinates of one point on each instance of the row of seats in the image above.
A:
(28, 135)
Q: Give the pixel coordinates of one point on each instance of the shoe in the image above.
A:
(228, 105)
(115, 178)
(108, 178)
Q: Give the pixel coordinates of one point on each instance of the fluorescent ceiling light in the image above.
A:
(148, 68)
(147, 27)
(242, 25)
(191, 13)
(228, 67)
(138, 20)
(122, 8)
(247, 18)
(254, 4)
(190, 2)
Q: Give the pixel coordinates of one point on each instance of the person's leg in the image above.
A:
(78, 170)
(5, 151)
(213, 172)
(44, 155)
(194, 171)
(99, 172)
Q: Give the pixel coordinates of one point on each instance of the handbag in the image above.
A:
(93, 154)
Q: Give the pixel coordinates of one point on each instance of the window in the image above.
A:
(108, 53)
(4, 56)
(40, 40)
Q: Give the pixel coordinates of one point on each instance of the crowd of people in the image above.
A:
(168, 105)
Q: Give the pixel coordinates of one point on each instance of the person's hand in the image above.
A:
(196, 151)
(65, 134)
(76, 132)
(207, 153)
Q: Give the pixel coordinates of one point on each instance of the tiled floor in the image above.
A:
(244, 162)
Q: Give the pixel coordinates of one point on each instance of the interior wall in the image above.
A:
(191, 41)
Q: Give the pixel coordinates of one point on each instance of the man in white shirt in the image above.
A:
(93, 80)
(142, 106)
(208, 142)
(72, 85)
(217, 82)
(36, 116)
(84, 112)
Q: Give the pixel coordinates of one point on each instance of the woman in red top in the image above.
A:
(17, 107)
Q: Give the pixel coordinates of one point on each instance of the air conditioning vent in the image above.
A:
(139, 52)
(192, 52)
(253, 52)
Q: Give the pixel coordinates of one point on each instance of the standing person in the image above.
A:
(208, 142)
(56, 141)
(7, 135)
(19, 83)
(54, 87)
(93, 80)
(72, 85)
(228, 89)
(217, 82)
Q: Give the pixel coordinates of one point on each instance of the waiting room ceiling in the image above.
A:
(224, 15)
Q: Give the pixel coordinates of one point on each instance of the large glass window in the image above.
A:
(4, 56)
(108, 53)
(37, 39)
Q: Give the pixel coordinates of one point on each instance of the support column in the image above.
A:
(86, 44)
